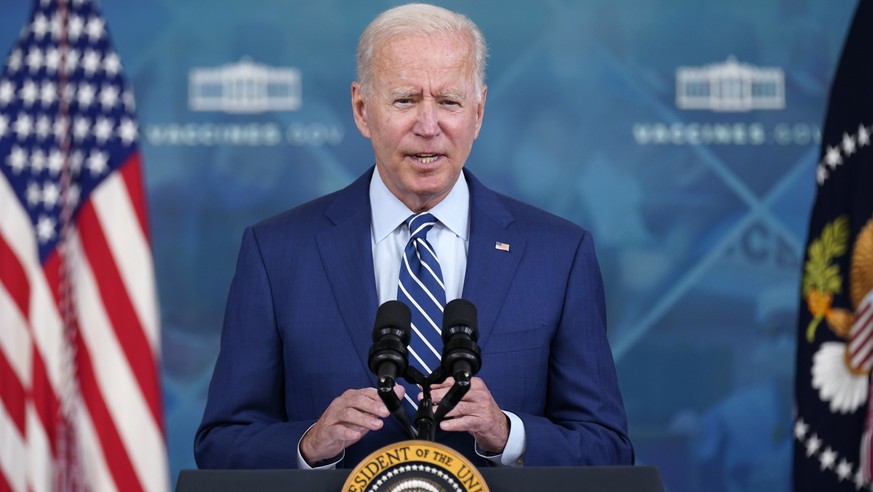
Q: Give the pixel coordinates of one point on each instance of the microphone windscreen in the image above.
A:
(392, 314)
(460, 312)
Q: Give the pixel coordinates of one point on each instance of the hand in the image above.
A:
(476, 413)
(346, 420)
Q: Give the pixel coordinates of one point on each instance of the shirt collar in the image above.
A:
(389, 212)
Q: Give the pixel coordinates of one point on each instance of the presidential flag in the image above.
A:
(80, 405)
(835, 341)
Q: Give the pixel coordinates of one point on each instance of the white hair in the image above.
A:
(418, 19)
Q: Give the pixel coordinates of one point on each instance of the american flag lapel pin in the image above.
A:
(501, 246)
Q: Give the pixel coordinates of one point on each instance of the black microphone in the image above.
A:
(462, 358)
(388, 356)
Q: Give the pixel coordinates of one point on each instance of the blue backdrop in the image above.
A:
(683, 133)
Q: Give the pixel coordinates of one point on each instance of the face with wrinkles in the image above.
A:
(421, 114)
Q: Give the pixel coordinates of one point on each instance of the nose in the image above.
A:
(427, 120)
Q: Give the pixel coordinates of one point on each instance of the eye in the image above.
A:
(403, 101)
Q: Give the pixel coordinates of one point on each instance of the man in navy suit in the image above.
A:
(291, 387)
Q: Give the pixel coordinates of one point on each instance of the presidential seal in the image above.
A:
(415, 466)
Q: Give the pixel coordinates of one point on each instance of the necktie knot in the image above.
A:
(420, 224)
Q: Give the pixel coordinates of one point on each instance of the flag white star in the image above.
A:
(86, 95)
(23, 126)
(81, 128)
(55, 162)
(111, 64)
(859, 479)
(43, 127)
(37, 161)
(28, 93)
(34, 60)
(108, 96)
(48, 93)
(13, 63)
(45, 228)
(95, 28)
(51, 194)
(90, 62)
(98, 162)
(127, 131)
(844, 469)
(848, 144)
(103, 129)
(33, 194)
(800, 429)
(72, 61)
(40, 26)
(59, 128)
(812, 445)
(7, 92)
(74, 28)
(863, 136)
(827, 458)
(17, 159)
(55, 26)
(832, 157)
(4, 126)
(52, 59)
(68, 93)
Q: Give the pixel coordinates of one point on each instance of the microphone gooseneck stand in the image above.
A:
(389, 360)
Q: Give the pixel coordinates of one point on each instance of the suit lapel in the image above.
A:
(347, 256)
(490, 269)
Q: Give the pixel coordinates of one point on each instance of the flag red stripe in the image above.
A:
(131, 174)
(13, 276)
(122, 315)
(4, 484)
(117, 459)
(45, 401)
(12, 394)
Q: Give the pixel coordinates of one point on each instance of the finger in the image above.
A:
(366, 402)
(448, 383)
(357, 417)
(345, 433)
(467, 423)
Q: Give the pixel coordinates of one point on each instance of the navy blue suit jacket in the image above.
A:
(299, 319)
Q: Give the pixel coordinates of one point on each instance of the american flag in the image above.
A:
(80, 405)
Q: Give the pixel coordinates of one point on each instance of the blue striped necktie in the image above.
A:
(421, 288)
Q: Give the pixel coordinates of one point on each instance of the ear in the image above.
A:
(480, 111)
(359, 109)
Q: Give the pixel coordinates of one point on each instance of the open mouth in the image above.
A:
(426, 158)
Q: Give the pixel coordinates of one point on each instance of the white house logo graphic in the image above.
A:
(244, 87)
(730, 86)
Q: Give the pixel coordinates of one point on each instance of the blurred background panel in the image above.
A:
(684, 134)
